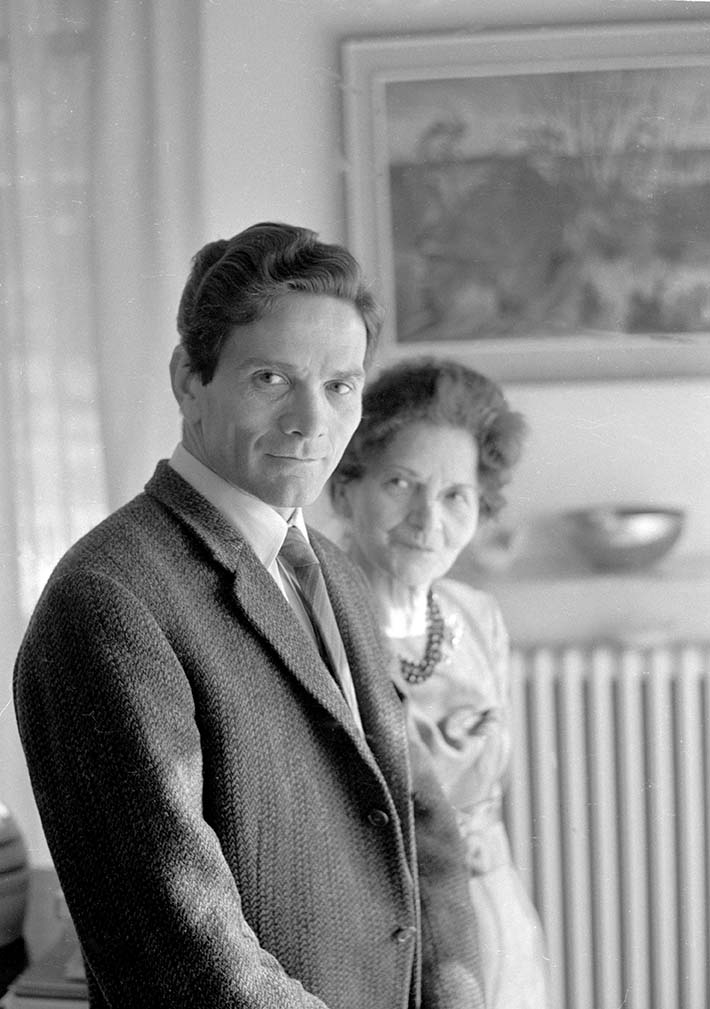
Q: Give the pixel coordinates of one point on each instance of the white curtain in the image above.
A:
(99, 215)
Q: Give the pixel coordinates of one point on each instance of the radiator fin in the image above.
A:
(609, 819)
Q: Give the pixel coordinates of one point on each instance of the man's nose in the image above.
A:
(305, 414)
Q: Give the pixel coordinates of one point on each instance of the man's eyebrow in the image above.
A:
(350, 373)
(261, 362)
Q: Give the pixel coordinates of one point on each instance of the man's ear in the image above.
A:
(341, 499)
(184, 383)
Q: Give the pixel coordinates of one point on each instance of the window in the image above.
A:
(56, 488)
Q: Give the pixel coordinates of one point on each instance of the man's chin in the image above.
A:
(296, 494)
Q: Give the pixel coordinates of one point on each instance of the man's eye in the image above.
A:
(270, 378)
(398, 483)
(341, 388)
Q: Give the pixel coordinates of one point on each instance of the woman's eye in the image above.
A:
(459, 497)
(398, 483)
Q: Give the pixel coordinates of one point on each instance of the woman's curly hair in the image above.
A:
(448, 394)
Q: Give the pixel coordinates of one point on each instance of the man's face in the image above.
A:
(284, 400)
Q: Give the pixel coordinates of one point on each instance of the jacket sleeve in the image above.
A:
(108, 725)
(451, 969)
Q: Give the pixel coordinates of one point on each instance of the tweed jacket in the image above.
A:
(224, 835)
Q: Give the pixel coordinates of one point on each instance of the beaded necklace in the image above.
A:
(418, 672)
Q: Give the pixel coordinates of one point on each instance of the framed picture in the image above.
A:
(536, 202)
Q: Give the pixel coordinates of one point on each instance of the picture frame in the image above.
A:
(535, 202)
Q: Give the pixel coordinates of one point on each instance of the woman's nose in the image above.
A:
(424, 513)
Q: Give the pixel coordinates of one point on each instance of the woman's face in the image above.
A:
(416, 507)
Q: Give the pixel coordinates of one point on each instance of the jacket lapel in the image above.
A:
(262, 604)
(380, 707)
(256, 595)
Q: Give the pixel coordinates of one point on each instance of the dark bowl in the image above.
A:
(620, 538)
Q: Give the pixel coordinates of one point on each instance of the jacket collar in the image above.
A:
(262, 605)
(222, 540)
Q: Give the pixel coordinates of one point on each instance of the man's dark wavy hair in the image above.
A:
(236, 281)
(447, 394)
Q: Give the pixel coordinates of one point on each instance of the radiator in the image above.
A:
(607, 808)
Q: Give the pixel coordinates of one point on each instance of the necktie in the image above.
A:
(299, 555)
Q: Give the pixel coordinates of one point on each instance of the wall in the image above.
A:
(271, 99)
(272, 150)
(617, 441)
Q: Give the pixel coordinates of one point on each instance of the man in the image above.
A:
(224, 786)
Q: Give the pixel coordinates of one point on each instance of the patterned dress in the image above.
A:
(462, 715)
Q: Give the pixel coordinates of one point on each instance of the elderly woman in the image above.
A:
(436, 443)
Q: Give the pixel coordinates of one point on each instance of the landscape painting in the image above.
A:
(555, 203)
(537, 200)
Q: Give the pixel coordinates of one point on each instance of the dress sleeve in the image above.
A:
(108, 725)
(493, 729)
(468, 734)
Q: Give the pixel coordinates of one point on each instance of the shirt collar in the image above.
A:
(260, 525)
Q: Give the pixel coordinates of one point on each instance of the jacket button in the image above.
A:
(378, 817)
(405, 934)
